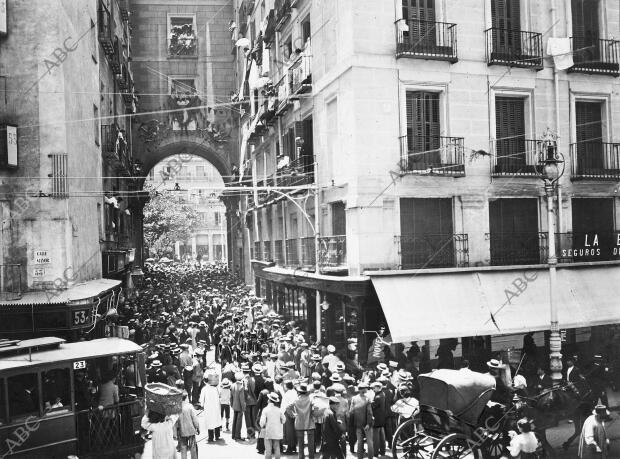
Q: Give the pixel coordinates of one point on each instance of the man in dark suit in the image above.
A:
(542, 381)
(572, 373)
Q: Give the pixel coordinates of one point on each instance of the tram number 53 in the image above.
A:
(80, 317)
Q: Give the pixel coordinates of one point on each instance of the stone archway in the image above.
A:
(217, 153)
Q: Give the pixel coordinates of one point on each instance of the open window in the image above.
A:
(56, 390)
(182, 38)
(23, 394)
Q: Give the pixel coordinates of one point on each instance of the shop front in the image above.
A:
(346, 303)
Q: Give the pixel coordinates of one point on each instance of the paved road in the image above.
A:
(226, 448)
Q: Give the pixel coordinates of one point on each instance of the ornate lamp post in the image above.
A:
(550, 168)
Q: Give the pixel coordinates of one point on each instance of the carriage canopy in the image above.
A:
(463, 392)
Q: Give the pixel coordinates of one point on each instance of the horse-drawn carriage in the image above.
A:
(454, 419)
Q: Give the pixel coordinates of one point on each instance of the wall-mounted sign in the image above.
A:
(4, 29)
(8, 146)
(41, 257)
(590, 246)
(38, 272)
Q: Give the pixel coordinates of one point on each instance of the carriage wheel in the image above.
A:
(494, 447)
(456, 446)
(410, 443)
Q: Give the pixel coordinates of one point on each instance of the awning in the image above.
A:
(475, 302)
(78, 292)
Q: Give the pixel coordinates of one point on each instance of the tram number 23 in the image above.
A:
(80, 317)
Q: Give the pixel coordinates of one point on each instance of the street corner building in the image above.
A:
(449, 170)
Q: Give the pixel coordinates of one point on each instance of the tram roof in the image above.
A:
(70, 351)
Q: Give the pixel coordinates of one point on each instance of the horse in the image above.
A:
(573, 401)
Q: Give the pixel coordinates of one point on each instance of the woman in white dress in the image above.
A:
(210, 402)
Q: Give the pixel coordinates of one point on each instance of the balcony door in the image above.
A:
(585, 30)
(420, 16)
(506, 23)
(426, 233)
(423, 130)
(510, 134)
(589, 134)
(593, 229)
(514, 233)
(339, 219)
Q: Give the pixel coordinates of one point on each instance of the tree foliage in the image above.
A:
(167, 219)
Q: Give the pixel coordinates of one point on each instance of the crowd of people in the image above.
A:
(265, 380)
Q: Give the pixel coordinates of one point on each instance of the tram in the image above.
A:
(59, 399)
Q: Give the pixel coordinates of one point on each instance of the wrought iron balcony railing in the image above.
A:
(426, 40)
(123, 8)
(283, 13)
(106, 30)
(518, 248)
(515, 156)
(278, 252)
(432, 155)
(298, 172)
(596, 56)
(183, 47)
(284, 94)
(333, 252)
(419, 251)
(308, 253)
(292, 252)
(595, 159)
(515, 48)
(11, 281)
(301, 72)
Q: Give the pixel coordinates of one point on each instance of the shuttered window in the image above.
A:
(423, 128)
(514, 231)
(585, 20)
(506, 22)
(339, 219)
(60, 185)
(510, 134)
(426, 230)
(589, 130)
(421, 17)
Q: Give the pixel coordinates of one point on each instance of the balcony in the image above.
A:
(432, 155)
(183, 47)
(595, 56)
(106, 30)
(292, 252)
(419, 251)
(514, 48)
(284, 94)
(283, 13)
(301, 73)
(515, 156)
(11, 282)
(123, 8)
(258, 252)
(333, 253)
(518, 248)
(308, 253)
(270, 30)
(115, 60)
(278, 252)
(123, 79)
(595, 160)
(426, 40)
(296, 173)
(267, 256)
(115, 148)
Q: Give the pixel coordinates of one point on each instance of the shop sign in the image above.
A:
(591, 246)
(41, 257)
(38, 272)
(8, 145)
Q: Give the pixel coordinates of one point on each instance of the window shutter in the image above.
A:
(506, 14)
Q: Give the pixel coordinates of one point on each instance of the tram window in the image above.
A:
(56, 390)
(23, 395)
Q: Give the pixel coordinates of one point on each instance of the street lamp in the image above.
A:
(550, 168)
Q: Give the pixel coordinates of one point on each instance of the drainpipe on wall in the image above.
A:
(556, 90)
